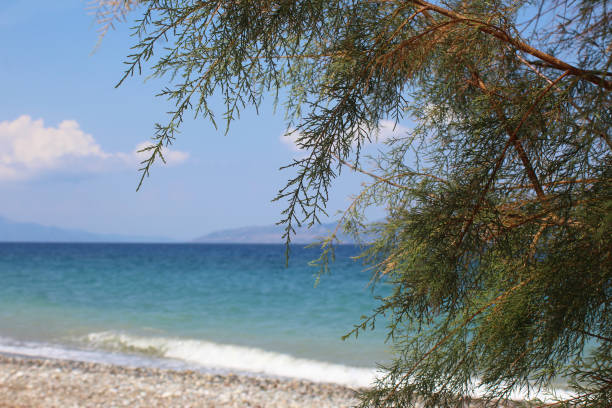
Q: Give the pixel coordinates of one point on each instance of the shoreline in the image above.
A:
(46, 382)
(31, 381)
(178, 354)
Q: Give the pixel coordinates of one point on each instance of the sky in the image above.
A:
(69, 139)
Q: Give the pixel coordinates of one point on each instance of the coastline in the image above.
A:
(35, 382)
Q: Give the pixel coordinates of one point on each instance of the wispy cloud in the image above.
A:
(387, 129)
(29, 149)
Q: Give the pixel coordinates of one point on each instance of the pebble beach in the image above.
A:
(29, 382)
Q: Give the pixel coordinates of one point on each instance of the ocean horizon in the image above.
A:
(211, 307)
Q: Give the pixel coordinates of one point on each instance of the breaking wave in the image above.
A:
(232, 357)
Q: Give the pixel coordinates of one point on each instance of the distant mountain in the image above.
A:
(11, 231)
(271, 234)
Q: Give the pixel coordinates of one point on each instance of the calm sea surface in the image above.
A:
(227, 307)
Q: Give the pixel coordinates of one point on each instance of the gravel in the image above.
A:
(26, 382)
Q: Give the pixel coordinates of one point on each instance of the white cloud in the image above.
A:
(28, 148)
(289, 139)
(387, 129)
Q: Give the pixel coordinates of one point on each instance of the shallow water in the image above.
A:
(218, 306)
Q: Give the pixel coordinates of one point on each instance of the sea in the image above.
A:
(209, 307)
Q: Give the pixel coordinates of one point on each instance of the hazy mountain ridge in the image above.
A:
(272, 234)
(13, 231)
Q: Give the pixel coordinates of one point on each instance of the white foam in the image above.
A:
(180, 354)
(60, 352)
(544, 395)
(231, 357)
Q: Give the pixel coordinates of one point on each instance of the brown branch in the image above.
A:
(412, 39)
(514, 134)
(498, 163)
(605, 137)
(534, 242)
(512, 140)
(551, 220)
(505, 37)
(555, 183)
(392, 36)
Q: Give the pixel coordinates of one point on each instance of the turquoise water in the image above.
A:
(233, 307)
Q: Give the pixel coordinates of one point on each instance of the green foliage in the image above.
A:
(496, 241)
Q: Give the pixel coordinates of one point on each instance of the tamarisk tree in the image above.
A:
(496, 240)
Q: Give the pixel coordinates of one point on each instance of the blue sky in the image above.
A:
(68, 139)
